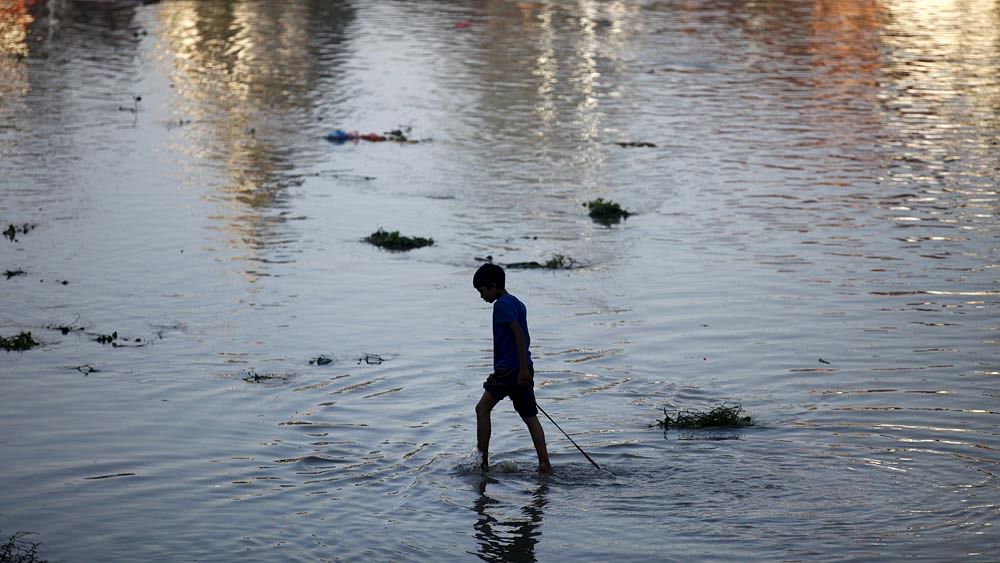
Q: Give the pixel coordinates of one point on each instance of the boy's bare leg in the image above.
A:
(484, 428)
(538, 438)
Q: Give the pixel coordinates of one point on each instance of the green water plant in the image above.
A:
(606, 212)
(721, 416)
(19, 343)
(395, 241)
(557, 262)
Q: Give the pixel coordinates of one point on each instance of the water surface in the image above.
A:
(814, 236)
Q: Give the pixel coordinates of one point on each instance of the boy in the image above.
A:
(513, 371)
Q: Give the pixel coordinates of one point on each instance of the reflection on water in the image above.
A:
(509, 537)
(15, 21)
(814, 235)
(247, 76)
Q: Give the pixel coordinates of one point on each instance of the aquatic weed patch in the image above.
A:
(395, 241)
(116, 342)
(557, 262)
(107, 338)
(253, 377)
(19, 343)
(721, 416)
(12, 231)
(606, 212)
(19, 550)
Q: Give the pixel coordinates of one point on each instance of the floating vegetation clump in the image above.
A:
(722, 416)
(320, 361)
(557, 262)
(12, 231)
(395, 241)
(18, 550)
(116, 342)
(18, 343)
(606, 212)
(254, 377)
(107, 338)
(14, 273)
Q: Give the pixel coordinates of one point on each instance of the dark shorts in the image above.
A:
(503, 383)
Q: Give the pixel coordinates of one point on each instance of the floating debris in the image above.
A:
(119, 342)
(15, 273)
(557, 262)
(628, 144)
(346, 176)
(110, 476)
(722, 416)
(254, 377)
(87, 369)
(18, 343)
(396, 241)
(18, 550)
(134, 108)
(371, 359)
(339, 136)
(606, 212)
(65, 329)
(107, 338)
(12, 231)
(320, 361)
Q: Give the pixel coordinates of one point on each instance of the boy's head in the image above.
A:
(489, 281)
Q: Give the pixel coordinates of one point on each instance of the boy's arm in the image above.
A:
(523, 374)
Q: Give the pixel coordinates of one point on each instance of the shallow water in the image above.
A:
(814, 236)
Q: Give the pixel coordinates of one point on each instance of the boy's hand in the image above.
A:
(523, 376)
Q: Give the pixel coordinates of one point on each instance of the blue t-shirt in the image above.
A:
(506, 309)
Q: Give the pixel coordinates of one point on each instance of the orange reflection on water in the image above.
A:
(235, 66)
(15, 17)
(845, 38)
(15, 20)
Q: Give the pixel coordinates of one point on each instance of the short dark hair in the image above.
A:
(488, 274)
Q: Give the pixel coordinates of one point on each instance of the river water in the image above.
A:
(814, 237)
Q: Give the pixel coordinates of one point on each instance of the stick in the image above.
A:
(591, 460)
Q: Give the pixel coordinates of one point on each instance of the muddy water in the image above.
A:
(814, 236)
